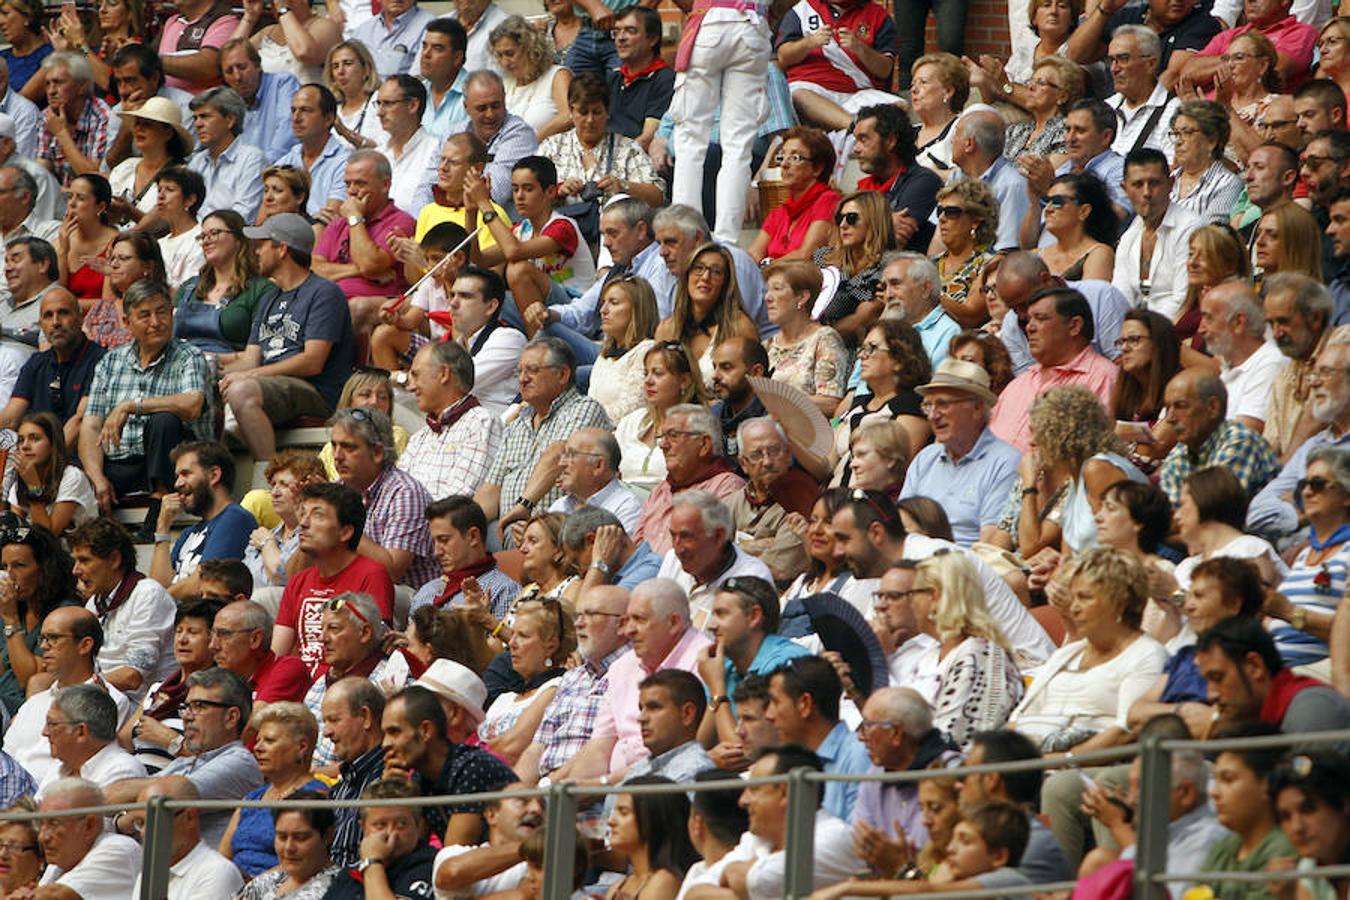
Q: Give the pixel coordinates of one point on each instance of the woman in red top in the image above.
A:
(795, 229)
(84, 239)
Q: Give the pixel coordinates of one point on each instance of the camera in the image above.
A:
(590, 191)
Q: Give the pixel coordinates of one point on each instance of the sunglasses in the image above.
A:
(1315, 485)
(951, 212)
(1059, 201)
(338, 604)
(852, 219)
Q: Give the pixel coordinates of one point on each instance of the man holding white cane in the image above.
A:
(723, 59)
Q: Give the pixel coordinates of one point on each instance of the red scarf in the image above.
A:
(629, 76)
(437, 424)
(1283, 689)
(104, 606)
(795, 206)
(455, 580)
(718, 467)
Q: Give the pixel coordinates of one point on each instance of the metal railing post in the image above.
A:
(1155, 790)
(799, 849)
(560, 842)
(157, 850)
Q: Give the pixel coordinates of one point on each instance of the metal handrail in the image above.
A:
(803, 787)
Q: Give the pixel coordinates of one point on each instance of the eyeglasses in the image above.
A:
(1059, 201)
(533, 370)
(207, 237)
(584, 614)
(1323, 373)
(669, 436)
(1178, 133)
(1043, 83)
(568, 453)
(867, 350)
(698, 270)
(794, 158)
(928, 407)
(1314, 485)
(1273, 124)
(870, 498)
(764, 455)
(338, 604)
(756, 589)
(1239, 57)
(1121, 59)
(1130, 340)
(11, 847)
(851, 219)
(898, 596)
(231, 632)
(197, 707)
(51, 637)
(866, 725)
(951, 212)
(385, 104)
(361, 414)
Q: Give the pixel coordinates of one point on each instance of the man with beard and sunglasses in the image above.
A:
(202, 487)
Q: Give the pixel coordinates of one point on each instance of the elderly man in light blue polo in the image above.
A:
(966, 468)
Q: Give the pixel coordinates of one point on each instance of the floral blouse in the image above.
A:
(818, 364)
(956, 285)
(631, 163)
(1019, 140)
(103, 324)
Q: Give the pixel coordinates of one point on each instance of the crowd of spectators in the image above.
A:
(1011, 421)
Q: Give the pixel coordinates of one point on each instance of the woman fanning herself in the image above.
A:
(802, 224)
(644, 828)
(1078, 214)
(978, 684)
(805, 354)
(707, 307)
(542, 637)
(50, 491)
(863, 233)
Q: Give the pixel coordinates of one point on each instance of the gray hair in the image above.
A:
(1337, 459)
(376, 158)
(364, 608)
(906, 706)
(557, 352)
(143, 290)
(987, 129)
(920, 268)
(255, 617)
(1246, 302)
(760, 422)
(484, 75)
(1146, 41)
(371, 426)
(78, 792)
(699, 418)
(666, 597)
(1188, 767)
(25, 183)
(235, 691)
(582, 522)
(455, 358)
(713, 513)
(1310, 295)
(225, 101)
(631, 210)
(1340, 335)
(74, 63)
(88, 704)
(1209, 386)
(687, 220)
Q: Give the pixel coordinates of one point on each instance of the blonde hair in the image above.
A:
(1120, 576)
(1072, 78)
(296, 718)
(961, 610)
(799, 274)
(980, 203)
(1071, 426)
(535, 47)
(554, 622)
(362, 379)
(1300, 240)
(645, 316)
(888, 438)
(951, 72)
(372, 79)
(880, 237)
(1264, 50)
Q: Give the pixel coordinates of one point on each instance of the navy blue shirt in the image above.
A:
(223, 536)
(316, 310)
(408, 877)
(1184, 682)
(58, 387)
(648, 97)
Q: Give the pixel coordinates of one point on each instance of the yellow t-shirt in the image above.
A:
(434, 214)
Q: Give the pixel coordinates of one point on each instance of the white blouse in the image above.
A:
(1063, 697)
(616, 384)
(533, 102)
(122, 180)
(641, 467)
(183, 256)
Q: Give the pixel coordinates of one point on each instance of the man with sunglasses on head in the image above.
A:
(966, 468)
(241, 641)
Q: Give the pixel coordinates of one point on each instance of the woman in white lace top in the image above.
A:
(628, 319)
(671, 379)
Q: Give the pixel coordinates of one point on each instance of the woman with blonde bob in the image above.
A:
(1216, 254)
(350, 73)
(863, 234)
(670, 379)
(804, 353)
(542, 637)
(628, 319)
(977, 684)
(707, 307)
(1333, 52)
(880, 453)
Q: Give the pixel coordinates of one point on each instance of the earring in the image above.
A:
(549, 662)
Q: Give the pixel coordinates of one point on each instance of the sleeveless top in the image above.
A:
(1078, 525)
(279, 58)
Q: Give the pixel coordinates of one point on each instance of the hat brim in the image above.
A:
(189, 140)
(965, 387)
(475, 713)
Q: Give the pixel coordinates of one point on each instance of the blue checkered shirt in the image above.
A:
(523, 445)
(119, 376)
(570, 718)
(1232, 446)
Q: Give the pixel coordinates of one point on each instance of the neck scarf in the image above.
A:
(1283, 689)
(104, 606)
(437, 424)
(1339, 536)
(629, 76)
(795, 206)
(455, 580)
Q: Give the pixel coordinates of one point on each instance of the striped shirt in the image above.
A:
(1214, 197)
(1317, 589)
(570, 718)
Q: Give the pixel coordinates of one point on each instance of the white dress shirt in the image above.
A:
(139, 634)
(109, 870)
(420, 155)
(109, 764)
(1166, 270)
(495, 383)
(701, 596)
(1132, 121)
(24, 740)
(201, 875)
(1250, 382)
(834, 857)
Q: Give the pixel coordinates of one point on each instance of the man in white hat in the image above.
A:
(46, 205)
(966, 468)
(462, 695)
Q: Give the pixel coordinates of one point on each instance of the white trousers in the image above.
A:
(728, 68)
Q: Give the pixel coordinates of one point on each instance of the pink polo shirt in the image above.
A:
(619, 714)
(1290, 37)
(214, 37)
(1011, 420)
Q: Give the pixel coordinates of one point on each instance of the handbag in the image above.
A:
(586, 213)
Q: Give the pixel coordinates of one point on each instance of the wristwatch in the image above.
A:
(11, 630)
(489, 216)
(367, 863)
(526, 502)
(353, 221)
(601, 566)
(175, 746)
(719, 700)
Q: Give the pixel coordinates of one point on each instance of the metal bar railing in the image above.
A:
(803, 787)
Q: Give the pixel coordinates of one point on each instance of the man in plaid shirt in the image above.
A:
(552, 410)
(570, 718)
(146, 398)
(77, 127)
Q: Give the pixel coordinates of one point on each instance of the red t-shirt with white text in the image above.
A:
(308, 592)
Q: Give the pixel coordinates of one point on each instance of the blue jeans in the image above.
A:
(592, 51)
(583, 348)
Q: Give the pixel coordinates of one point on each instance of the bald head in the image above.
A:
(170, 787)
(980, 136)
(1197, 403)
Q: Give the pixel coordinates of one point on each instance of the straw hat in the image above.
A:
(166, 112)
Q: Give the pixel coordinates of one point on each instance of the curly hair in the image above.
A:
(1070, 426)
(1212, 120)
(953, 74)
(994, 355)
(978, 199)
(961, 609)
(1270, 79)
(906, 347)
(726, 309)
(303, 464)
(56, 581)
(535, 47)
(879, 237)
(1120, 576)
